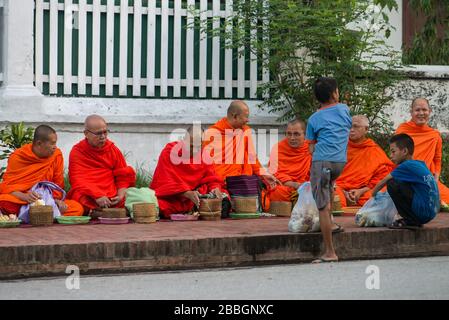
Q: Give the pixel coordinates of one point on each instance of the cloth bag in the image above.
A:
(305, 216)
(379, 211)
(140, 195)
(45, 190)
(245, 186)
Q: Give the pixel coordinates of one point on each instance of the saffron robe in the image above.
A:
(98, 172)
(367, 164)
(177, 172)
(24, 170)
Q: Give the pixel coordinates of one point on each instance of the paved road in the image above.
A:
(421, 278)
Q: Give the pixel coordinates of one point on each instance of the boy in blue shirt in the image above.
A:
(411, 186)
(328, 133)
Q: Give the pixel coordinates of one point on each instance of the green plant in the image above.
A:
(143, 176)
(13, 137)
(67, 185)
(444, 176)
(430, 45)
(299, 41)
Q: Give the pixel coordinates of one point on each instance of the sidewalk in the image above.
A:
(166, 245)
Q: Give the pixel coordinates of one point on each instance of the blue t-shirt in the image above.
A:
(426, 198)
(330, 127)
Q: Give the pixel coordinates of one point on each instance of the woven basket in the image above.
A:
(210, 205)
(41, 215)
(336, 204)
(210, 216)
(144, 212)
(113, 213)
(245, 204)
(281, 208)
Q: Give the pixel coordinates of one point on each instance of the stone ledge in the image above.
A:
(168, 246)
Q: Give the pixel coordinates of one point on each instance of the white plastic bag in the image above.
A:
(379, 211)
(305, 215)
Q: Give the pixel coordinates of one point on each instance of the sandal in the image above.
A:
(401, 224)
(338, 229)
(322, 260)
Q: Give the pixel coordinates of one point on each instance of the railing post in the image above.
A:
(18, 94)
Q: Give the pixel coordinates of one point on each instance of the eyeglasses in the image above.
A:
(100, 133)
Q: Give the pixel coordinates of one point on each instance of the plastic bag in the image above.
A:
(379, 211)
(305, 215)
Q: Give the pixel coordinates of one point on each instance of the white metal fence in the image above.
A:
(137, 48)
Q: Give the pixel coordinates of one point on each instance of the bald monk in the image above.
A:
(290, 162)
(366, 165)
(31, 164)
(99, 175)
(230, 147)
(428, 141)
(181, 176)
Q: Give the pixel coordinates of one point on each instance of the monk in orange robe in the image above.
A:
(366, 165)
(181, 176)
(428, 141)
(290, 162)
(98, 173)
(31, 164)
(229, 146)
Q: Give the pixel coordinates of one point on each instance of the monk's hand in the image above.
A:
(271, 180)
(194, 196)
(103, 202)
(292, 184)
(119, 197)
(28, 197)
(62, 206)
(218, 193)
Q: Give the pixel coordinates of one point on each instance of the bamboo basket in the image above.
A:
(336, 204)
(144, 212)
(41, 215)
(281, 208)
(210, 205)
(111, 213)
(210, 216)
(245, 204)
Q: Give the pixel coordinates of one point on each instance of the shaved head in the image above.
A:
(237, 107)
(361, 120)
(419, 101)
(43, 133)
(96, 130)
(92, 120)
(297, 121)
(238, 114)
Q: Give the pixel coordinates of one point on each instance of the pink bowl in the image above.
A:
(113, 220)
(183, 217)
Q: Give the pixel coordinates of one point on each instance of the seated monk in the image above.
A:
(98, 173)
(428, 142)
(31, 164)
(181, 175)
(366, 165)
(290, 162)
(229, 146)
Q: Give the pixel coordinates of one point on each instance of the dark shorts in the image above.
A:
(322, 179)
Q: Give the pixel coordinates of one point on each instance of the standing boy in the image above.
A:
(411, 185)
(327, 133)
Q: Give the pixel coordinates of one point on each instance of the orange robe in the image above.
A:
(24, 170)
(98, 172)
(428, 148)
(366, 165)
(288, 164)
(171, 179)
(231, 150)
